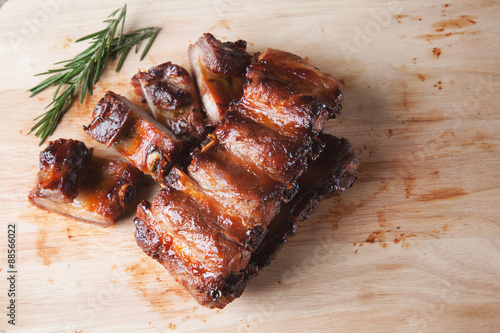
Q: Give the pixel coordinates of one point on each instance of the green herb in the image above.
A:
(83, 71)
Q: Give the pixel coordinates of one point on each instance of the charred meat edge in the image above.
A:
(219, 71)
(135, 134)
(105, 189)
(173, 99)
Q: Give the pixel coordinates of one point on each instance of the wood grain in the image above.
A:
(414, 246)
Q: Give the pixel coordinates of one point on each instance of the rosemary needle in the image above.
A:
(84, 70)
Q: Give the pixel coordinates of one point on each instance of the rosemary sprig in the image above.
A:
(84, 70)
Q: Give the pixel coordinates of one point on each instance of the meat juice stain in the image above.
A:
(442, 194)
(399, 17)
(68, 230)
(402, 238)
(376, 236)
(45, 253)
(436, 51)
(382, 219)
(439, 85)
(441, 28)
(406, 101)
(342, 210)
(409, 182)
(447, 133)
(221, 23)
(458, 23)
(432, 37)
(145, 274)
(379, 236)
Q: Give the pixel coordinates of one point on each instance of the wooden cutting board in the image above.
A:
(414, 246)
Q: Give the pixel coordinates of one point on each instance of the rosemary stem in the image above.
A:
(85, 69)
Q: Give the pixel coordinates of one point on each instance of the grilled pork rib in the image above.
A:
(219, 70)
(135, 134)
(64, 164)
(207, 224)
(288, 95)
(172, 98)
(215, 286)
(329, 175)
(101, 189)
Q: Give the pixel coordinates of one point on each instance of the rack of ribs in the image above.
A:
(135, 134)
(75, 183)
(217, 224)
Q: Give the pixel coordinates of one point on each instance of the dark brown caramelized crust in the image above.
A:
(228, 58)
(207, 224)
(63, 166)
(173, 99)
(280, 157)
(109, 189)
(219, 70)
(135, 134)
(290, 96)
(104, 190)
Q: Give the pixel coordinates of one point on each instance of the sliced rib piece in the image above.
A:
(235, 227)
(63, 166)
(280, 157)
(241, 188)
(250, 166)
(104, 190)
(135, 134)
(219, 71)
(289, 95)
(172, 98)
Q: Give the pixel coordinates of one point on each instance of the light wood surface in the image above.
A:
(414, 246)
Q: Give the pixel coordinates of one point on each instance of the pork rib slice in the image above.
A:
(173, 99)
(135, 134)
(64, 164)
(101, 188)
(288, 95)
(219, 71)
